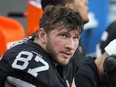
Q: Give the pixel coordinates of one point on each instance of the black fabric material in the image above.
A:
(87, 75)
(27, 50)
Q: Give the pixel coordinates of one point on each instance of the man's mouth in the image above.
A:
(67, 54)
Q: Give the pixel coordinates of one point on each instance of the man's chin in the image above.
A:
(63, 63)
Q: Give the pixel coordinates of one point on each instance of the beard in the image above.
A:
(50, 50)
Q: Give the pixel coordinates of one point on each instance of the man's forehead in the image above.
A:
(68, 30)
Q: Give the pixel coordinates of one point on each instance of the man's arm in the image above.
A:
(4, 68)
(99, 63)
(110, 49)
(91, 70)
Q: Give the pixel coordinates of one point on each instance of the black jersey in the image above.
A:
(29, 62)
(87, 75)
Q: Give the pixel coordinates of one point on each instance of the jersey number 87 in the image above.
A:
(25, 60)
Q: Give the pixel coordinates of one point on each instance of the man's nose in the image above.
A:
(70, 44)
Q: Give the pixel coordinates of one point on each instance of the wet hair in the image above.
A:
(60, 17)
(44, 3)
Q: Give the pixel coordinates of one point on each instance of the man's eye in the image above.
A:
(63, 36)
(76, 38)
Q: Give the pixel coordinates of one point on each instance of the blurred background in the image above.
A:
(102, 13)
(28, 12)
(14, 6)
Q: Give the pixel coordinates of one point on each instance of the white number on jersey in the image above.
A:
(25, 60)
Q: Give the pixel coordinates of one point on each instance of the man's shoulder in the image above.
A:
(89, 61)
(88, 66)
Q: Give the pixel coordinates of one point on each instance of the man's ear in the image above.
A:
(42, 35)
(69, 5)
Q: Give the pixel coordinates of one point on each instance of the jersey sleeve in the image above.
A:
(4, 69)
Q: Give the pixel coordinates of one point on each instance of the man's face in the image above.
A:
(82, 7)
(61, 45)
